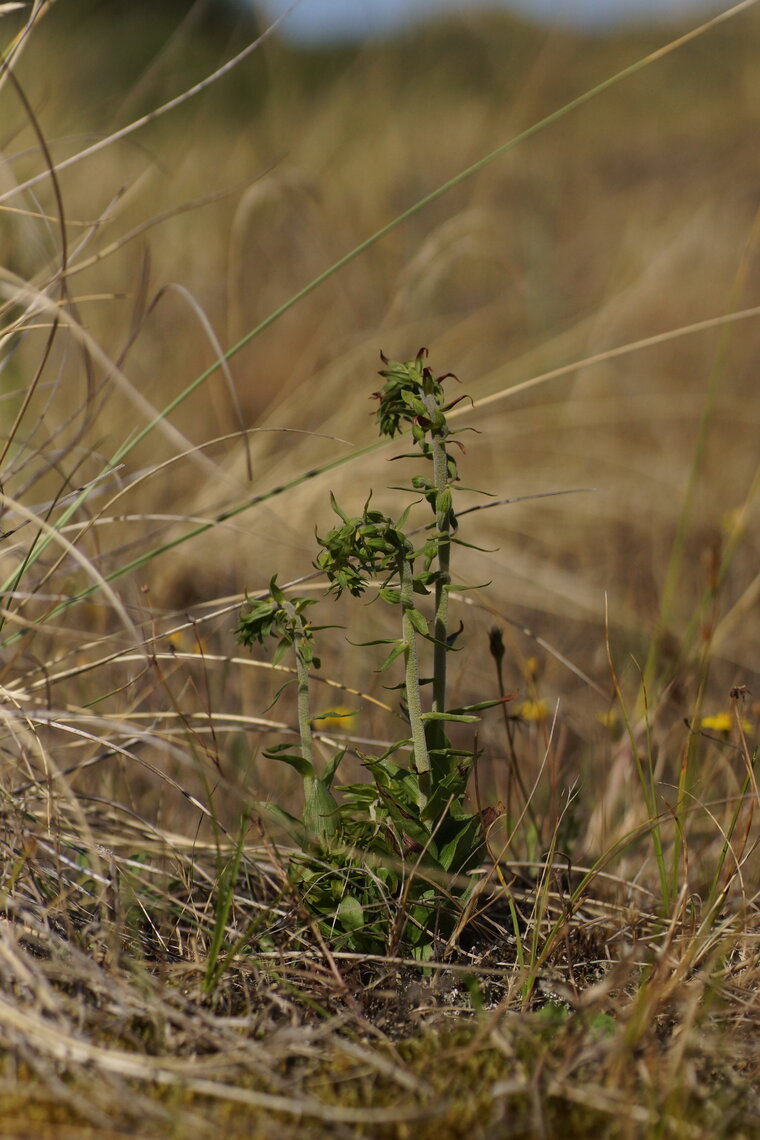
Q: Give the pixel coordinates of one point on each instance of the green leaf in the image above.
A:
(336, 508)
(460, 718)
(332, 767)
(443, 501)
(350, 913)
(282, 649)
(320, 810)
(483, 705)
(397, 650)
(464, 847)
(285, 685)
(418, 621)
(275, 591)
(303, 766)
(375, 641)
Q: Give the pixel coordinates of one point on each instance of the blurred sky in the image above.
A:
(330, 20)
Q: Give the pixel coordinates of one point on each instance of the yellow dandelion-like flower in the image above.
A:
(609, 719)
(341, 718)
(723, 722)
(533, 710)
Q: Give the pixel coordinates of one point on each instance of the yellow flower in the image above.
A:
(533, 710)
(723, 722)
(340, 717)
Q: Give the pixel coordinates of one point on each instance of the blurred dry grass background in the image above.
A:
(630, 219)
